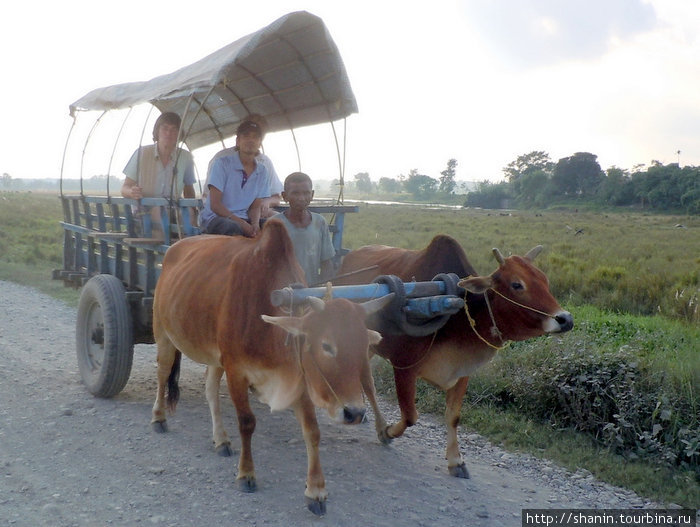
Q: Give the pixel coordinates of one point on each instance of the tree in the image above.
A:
(447, 178)
(537, 160)
(534, 188)
(579, 174)
(363, 183)
(390, 185)
(421, 186)
(616, 187)
(488, 195)
(6, 180)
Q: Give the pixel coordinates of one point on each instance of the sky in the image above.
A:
(480, 81)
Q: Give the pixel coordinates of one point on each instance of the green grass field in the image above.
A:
(619, 395)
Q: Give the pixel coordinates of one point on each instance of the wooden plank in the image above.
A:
(143, 242)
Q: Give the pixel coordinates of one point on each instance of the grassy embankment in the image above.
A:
(617, 396)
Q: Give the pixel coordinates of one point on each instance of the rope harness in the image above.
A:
(296, 345)
(494, 328)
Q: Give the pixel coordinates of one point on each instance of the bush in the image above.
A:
(615, 379)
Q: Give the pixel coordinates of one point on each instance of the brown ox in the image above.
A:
(212, 303)
(520, 302)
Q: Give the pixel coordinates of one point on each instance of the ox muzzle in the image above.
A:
(565, 321)
(353, 416)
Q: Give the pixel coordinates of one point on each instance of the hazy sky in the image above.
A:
(481, 81)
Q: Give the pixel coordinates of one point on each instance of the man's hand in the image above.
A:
(249, 230)
(136, 192)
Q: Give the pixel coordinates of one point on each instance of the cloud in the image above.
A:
(531, 33)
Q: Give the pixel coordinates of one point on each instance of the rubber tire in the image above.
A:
(104, 336)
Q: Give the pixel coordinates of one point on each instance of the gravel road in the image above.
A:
(67, 458)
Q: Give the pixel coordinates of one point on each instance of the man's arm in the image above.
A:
(267, 206)
(218, 208)
(255, 213)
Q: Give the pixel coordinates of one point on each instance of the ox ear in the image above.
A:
(532, 253)
(374, 337)
(292, 325)
(476, 284)
(372, 306)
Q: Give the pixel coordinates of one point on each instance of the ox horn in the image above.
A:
(372, 306)
(532, 253)
(316, 303)
(499, 257)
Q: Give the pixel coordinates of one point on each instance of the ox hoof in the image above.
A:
(384, 437)
(224, 450)
(246, 484)
(159, 426)
(316, 506)
(459, 471)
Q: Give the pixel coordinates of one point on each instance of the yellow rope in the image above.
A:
(472, 323)
(521, 305)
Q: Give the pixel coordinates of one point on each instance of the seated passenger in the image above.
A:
(238, 187)
(267, 206)
(308, 231)
(160, 170)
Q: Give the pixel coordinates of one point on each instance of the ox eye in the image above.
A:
(517, 286)
(328, 348)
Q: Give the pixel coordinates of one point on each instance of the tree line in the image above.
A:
(533, 180)
(419, 186)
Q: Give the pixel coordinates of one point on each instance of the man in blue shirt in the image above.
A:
(238, 186)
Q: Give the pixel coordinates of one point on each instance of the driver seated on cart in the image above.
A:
(276, 187)
(238, 188)
(161, 169)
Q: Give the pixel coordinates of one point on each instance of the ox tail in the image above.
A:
(173, 386)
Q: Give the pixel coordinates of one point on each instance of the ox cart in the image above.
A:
(291, 73)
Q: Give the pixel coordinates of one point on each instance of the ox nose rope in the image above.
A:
(298, 350)
(522, 305)
(494, 328)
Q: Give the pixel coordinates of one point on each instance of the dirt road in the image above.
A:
(67, 458)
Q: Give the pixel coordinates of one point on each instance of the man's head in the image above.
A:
(166, 122)
(260, 121)
(298, 190)
(249, 137)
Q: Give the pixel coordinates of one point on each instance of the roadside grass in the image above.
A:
(622, 266)
(516, 431)
(38, 276)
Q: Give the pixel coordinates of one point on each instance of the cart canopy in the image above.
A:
(290, 72)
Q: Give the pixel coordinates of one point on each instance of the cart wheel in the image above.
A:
(103, 336)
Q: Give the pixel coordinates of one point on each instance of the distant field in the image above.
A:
(627, 376)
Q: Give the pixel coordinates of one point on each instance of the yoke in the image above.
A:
(418, 308)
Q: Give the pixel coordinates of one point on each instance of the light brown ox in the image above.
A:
(212, 303)
(522, 307)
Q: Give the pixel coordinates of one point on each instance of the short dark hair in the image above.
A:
(165, 118)
(297, 177)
